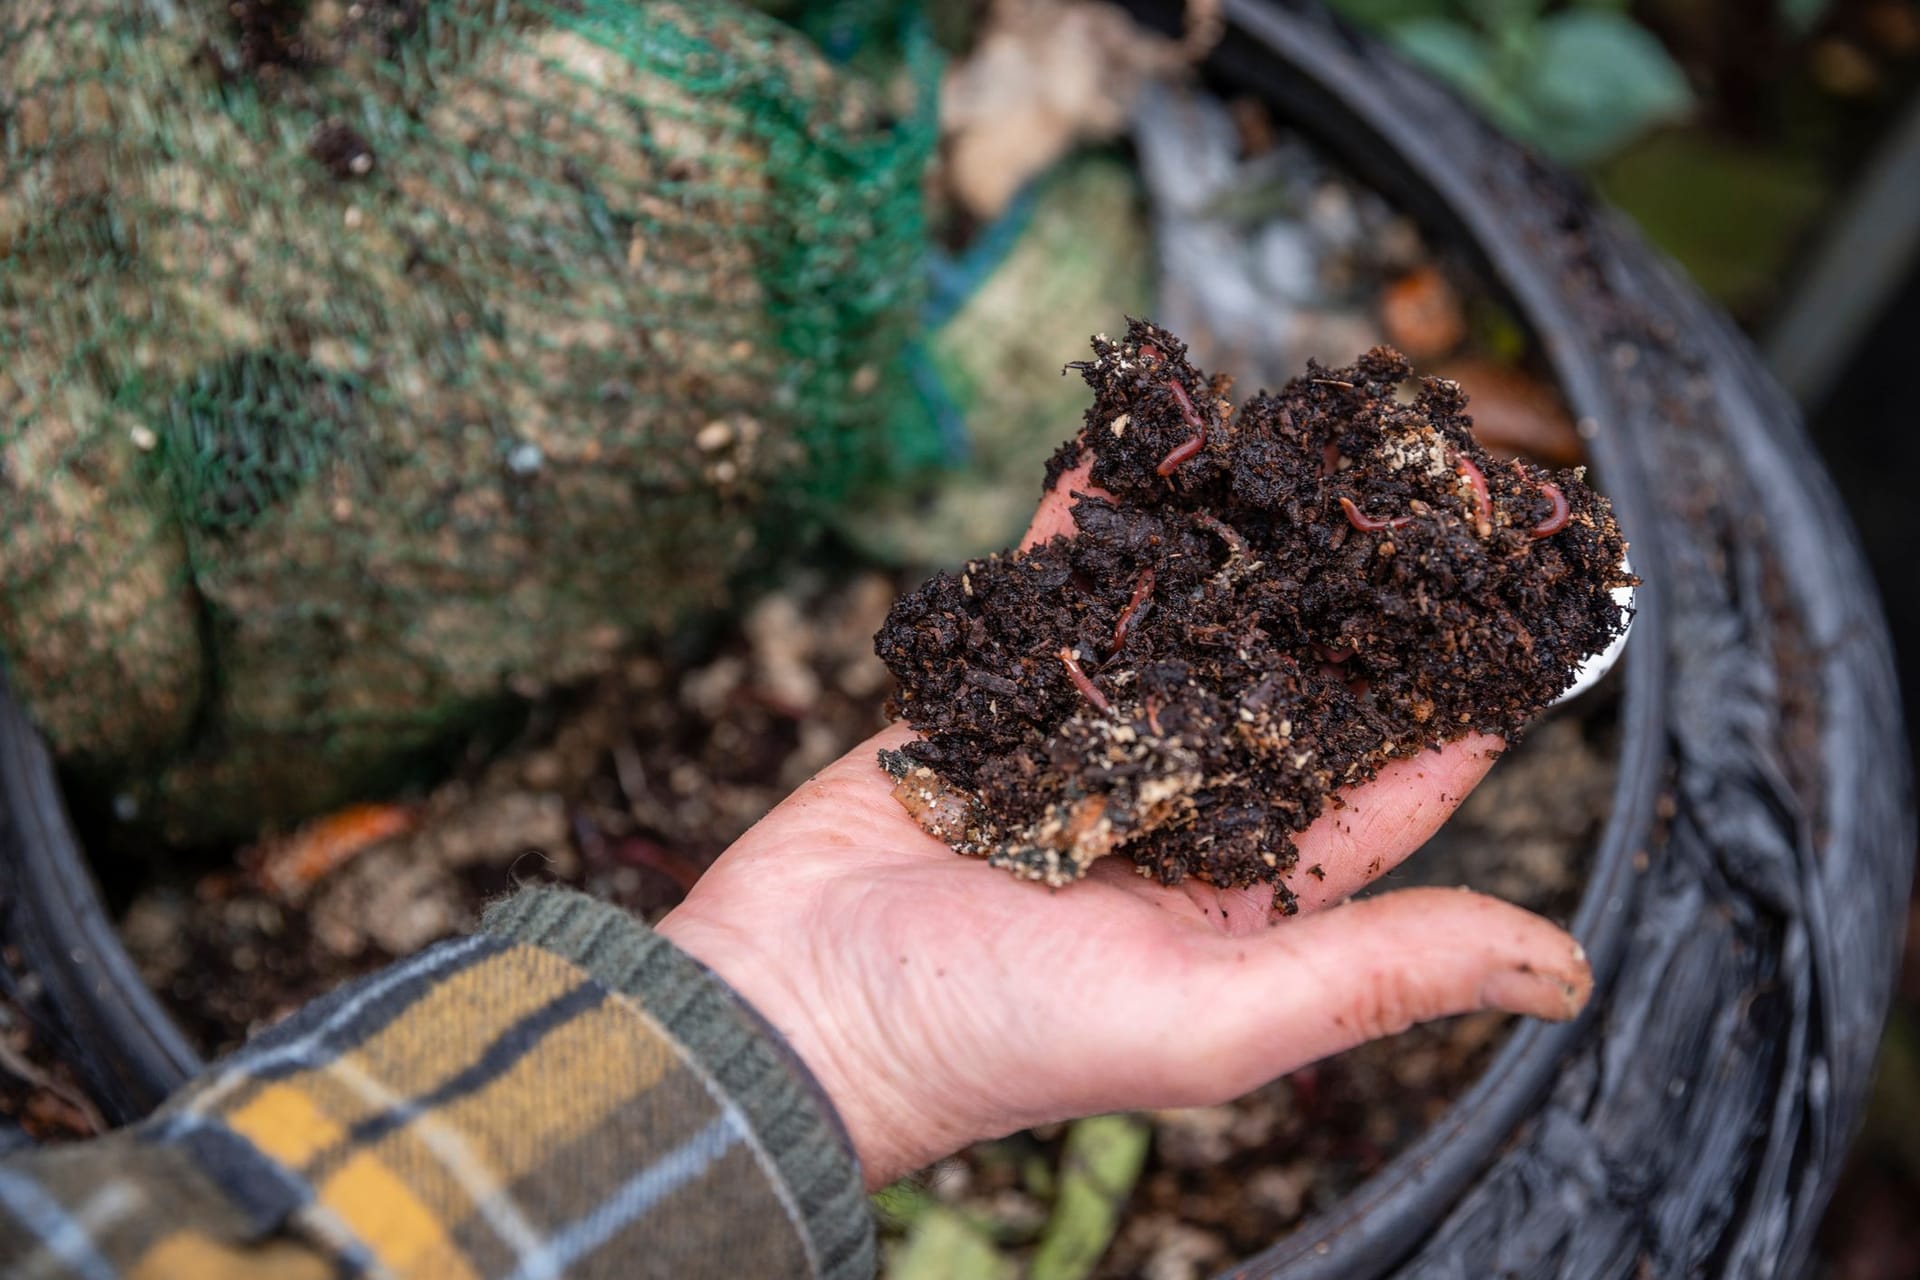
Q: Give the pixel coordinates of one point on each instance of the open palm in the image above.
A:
(939, 1000)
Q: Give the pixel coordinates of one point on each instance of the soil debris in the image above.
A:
(341, 150)
(42, 1099)
(1259, 608)
(627, 788)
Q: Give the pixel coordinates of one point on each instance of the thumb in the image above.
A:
(1242, 1011)
(1054, 516)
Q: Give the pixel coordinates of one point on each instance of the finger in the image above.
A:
(1376, 827)
(1242, 1011)
(1055, 514)
(1379, 825)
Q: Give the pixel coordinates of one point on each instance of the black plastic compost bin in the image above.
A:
(1746, 901)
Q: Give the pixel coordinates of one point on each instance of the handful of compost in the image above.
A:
(1259, 609)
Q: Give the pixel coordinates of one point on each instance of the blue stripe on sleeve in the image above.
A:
(57, 1230)
(633, 1199)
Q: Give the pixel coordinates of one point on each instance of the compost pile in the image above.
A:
(1259, 608)
(363, 366)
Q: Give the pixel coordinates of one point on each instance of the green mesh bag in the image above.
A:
(362, 364)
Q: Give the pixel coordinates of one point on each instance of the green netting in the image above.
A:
(847, 29)
(363, 362)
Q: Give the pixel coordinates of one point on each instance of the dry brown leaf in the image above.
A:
(1049, 75)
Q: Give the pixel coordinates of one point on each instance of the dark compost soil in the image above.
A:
(1258, 609)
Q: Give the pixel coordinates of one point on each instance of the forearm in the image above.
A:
(562, 1093)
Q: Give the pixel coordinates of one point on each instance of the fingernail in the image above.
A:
(1530, 992)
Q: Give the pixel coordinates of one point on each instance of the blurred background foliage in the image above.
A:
(1578, 80)
(1725, 127)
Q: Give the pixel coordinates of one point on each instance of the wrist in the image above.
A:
(890, 1131)
(724, 1042)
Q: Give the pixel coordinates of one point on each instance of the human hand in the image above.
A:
(939, 1000)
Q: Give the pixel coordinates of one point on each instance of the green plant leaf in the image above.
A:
(1451, 50)
(943, 1245)
(1731, 213)
(1598, 81)
(1503, 17)
(1460, 56)
(1802, 15)
(1383, 15)
(899, 1204)
(1102, 1161)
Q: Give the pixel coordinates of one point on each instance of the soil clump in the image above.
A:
(1260, 608)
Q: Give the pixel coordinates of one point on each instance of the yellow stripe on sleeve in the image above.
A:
(287, 1124)
(581, 1072)
(448, 1026)
(382, 1211)
(438, 1036)
(189, 1253)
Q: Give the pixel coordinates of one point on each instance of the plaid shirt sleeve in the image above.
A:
(561, 1094)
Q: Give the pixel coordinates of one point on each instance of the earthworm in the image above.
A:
(1141, 590)
(1557, 521)
(1191, 446)
(1187, 410)
(1088, 690)
(1366, 523)
(1222, 530)
(1482, 501)
(1180, 453)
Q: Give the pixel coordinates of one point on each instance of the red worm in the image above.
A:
(1087, 688)
(1180, 453)
(1141, 590)
(1187, 410)
(1189, 447)
(1366, 523)
(1482, 501)
(1557, 521)
(1149, 352)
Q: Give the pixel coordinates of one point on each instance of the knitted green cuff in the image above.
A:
(789, 1113)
